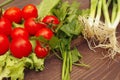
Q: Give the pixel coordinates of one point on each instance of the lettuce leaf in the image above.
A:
(45, 7)
(11, 67)
(37, 63)
(2, 61)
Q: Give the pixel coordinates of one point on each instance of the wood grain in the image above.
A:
(100, 69)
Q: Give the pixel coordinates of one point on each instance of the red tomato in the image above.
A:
(19, 32)
(20, 47)
(41, 52)
(5, 26)
(13, 14)
(51, 19)
(4, 44)
(29, 10)
(33, 26)
(46, 33)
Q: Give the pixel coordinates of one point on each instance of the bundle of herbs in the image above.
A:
(68, 29)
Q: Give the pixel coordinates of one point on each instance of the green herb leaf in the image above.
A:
(54, 42)
(76, 56)
(72, 28)
(61, 11)
(68, 14)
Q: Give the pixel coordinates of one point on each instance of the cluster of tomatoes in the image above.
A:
(17, 39)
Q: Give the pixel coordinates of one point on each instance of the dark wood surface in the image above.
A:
(100, 69)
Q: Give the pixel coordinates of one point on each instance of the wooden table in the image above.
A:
(101, 69)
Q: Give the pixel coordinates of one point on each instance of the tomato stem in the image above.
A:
(15, 25)
(0, 12)
(5, 3)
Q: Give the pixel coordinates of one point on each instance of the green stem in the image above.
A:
(117, 19)
(106, 13)
(67, 60)
(5, 3)
(64, 65)
(108, 2)
(93, 8)
(114, 12)
(58, 27)
(70, 57)
(98, 11)
(57, 55)
(67, 71)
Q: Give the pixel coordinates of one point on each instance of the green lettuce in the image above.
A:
(11, 67)
(45, 7)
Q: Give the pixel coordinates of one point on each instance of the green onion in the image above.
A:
(100, 31)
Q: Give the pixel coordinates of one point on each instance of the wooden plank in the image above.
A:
(101, 69)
